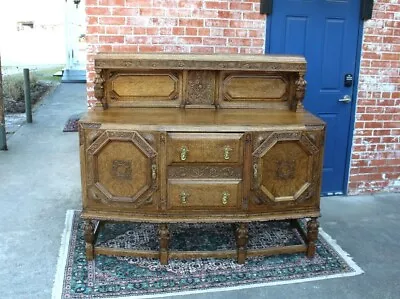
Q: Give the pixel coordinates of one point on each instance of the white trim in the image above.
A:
(62, 256)
(62, 260)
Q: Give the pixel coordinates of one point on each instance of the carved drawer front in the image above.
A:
(286, 167)
(203, 194)
(121, 167)
(206, 148)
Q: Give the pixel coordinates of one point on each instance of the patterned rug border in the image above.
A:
(63, 253)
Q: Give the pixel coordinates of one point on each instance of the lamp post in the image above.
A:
(3, 140)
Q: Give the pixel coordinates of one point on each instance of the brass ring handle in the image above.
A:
(227, 151)
(184, 153)
(154, 172)
(225, 198)
(184, 196)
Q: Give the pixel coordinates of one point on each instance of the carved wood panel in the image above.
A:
(144, 89)
(283, 169)
(200, 88)
(121, 167)
(254, 89)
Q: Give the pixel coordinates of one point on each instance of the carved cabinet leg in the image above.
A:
(241, 242)
(89, 239)
(164, 240)
(312, 235)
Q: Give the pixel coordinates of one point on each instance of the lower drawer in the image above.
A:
(203, 195)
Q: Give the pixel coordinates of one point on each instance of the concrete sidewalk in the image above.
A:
(40, 181)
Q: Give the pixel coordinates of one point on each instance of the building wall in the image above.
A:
(375, 163)
(235, 26)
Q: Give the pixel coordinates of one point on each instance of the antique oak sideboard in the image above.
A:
(199, 139)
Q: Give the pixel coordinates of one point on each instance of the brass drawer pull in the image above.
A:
(255, 171)
(154, 172)
(184, 153)
(184, 196)
(225, 198)
(227, 151)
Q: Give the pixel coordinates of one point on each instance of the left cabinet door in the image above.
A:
(122, 170)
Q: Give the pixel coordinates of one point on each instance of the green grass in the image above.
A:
(42, 74)
(47, 74)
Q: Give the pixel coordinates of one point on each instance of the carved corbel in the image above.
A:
(99, 89)
(301, 84)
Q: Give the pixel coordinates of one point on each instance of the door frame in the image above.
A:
(349, 148)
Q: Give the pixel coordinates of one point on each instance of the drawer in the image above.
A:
(204, 194)
(204, 147)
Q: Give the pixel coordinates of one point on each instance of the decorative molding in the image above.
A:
(204, 172)
(99, 88)
(301, 84)
(274, 138)
(140, 64)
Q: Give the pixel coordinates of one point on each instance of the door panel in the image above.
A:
(326, 33)
(121, 169)
(284, 166)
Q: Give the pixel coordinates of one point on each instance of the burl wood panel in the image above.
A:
(204, 194)
(263, 90)
(204, 148)
(144, 89)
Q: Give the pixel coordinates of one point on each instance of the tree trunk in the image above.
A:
(3, 141)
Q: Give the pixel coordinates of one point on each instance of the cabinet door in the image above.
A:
(287, 170)
(122, 170)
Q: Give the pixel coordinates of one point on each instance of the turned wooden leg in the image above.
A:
(312, 235)
(241, 242)
(164, 240)
(89, 239)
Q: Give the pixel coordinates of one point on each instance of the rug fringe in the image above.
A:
(346, 256)
(62, 256)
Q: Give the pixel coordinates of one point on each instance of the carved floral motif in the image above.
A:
(201, 88)
(121, 169)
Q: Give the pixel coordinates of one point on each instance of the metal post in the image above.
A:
(27, 93)
(3, 139)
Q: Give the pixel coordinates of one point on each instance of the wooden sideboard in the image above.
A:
(200, 138)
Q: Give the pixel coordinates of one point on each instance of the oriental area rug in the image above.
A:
(71, 124)
(129, 277)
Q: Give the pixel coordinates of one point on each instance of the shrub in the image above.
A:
(13, 92)
(13, 87)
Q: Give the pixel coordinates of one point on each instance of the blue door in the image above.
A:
(326, 33)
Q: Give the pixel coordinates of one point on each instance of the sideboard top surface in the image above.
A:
(208, 119)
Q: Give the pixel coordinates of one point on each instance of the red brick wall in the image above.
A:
(375, 164)
(196, 26)
(235, 26)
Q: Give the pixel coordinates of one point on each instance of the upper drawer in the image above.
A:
(204, 148)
